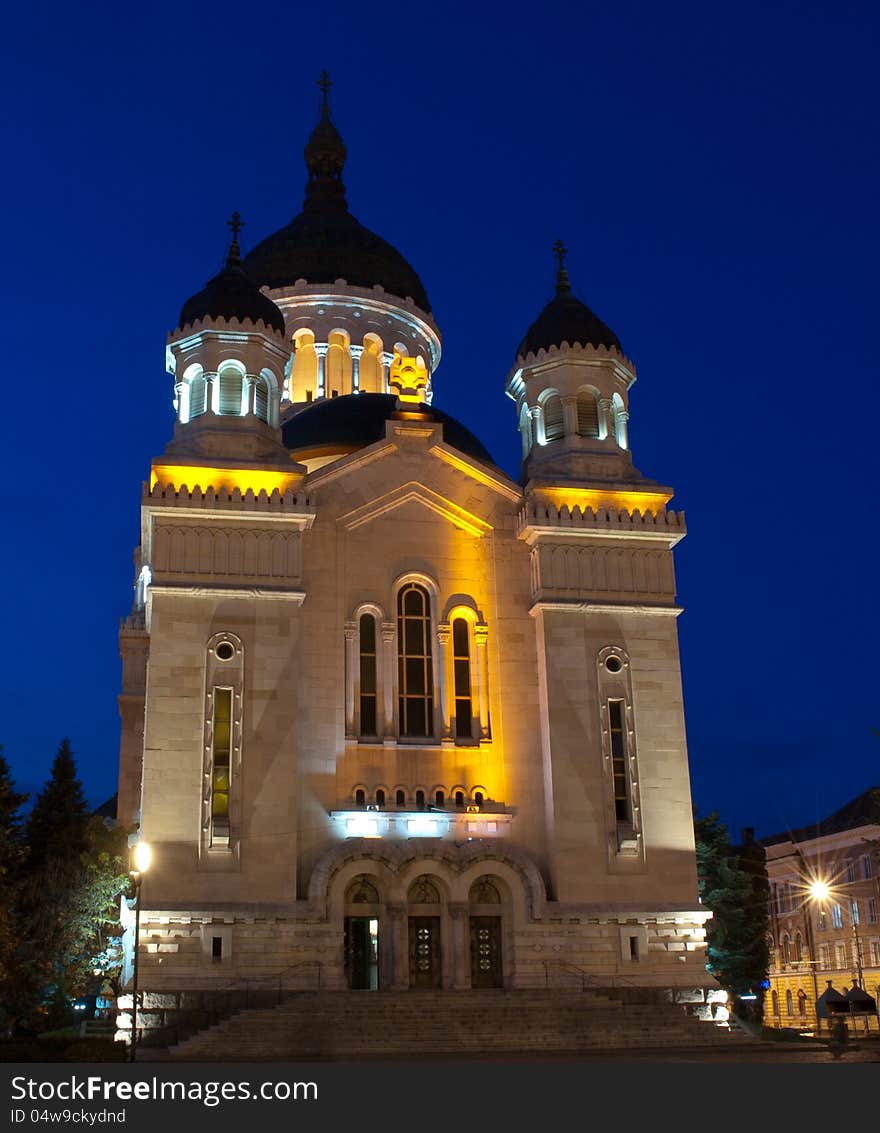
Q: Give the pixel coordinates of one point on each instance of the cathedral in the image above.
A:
(392, 720)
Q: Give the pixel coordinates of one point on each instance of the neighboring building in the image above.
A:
(389, 718)
(817, 939)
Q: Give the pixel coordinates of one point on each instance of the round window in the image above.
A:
(613, 664)
(224, 651)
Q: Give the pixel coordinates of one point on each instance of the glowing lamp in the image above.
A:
(819, 891)
(142, 856)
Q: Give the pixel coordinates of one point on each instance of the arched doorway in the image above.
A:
(361, 942)
(484, 906)
(425, 951)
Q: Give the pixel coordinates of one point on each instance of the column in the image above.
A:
(212, 393)
(536, 413)
(321, 349)
(621, 428)
(386, 360)
(481, 635)
(352, 679)
(181, 401)
(356, 354)
(443, 682)
(461, 944)
(389, 661)
(606, 417)
(399, 966)
(249, 389)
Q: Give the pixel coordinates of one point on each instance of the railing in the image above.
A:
(588, 980)
(274, 982)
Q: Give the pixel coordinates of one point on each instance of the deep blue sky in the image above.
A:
(713, 170)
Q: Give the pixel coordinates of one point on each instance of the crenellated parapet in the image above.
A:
(288, 503)
(537, 520)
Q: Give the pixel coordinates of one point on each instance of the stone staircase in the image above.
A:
(331, 1026)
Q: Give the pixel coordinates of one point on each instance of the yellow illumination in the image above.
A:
(819, 891)
(197, 475)
(595, 498)
(408, 379)
(142, 855)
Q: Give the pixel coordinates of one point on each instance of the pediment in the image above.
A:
(413, 497)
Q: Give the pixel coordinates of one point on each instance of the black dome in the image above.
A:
(232, 295)
(358, 419)
(566, 319)
(325, 242)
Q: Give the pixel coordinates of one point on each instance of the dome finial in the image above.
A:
(563, 284)
(325, 84)
(325, 159)
(236, 224)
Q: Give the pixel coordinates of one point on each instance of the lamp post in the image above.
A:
(141, 857)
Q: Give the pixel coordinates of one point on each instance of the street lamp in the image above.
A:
(141, 857)
(820, 892)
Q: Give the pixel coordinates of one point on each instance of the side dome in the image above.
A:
(566, 319)
(232, 294)
(325, 242)
(342, 425)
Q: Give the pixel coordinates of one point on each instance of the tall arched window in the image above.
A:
(587, 414)
(261, 398)
(789, 1002)
(367, 635)
(774, 999)
(554, 428)
(198, 401)
(231, 386)
(415, 670)
(461, 663)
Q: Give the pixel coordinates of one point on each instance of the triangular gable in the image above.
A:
(415, 492)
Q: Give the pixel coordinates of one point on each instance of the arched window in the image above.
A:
(786, 949)
(789, 1002)
(554, 428)
(415, 669)
(420, 800)
(799, 947)
(360, 797)
(198, 391)
(367, 636)
(439, 798)
(478, 798)
(261, 399)
(400, 798)
(461, 664)
(774, 999)
(231, 387)
(802, 1002)
(459, 799)
(587, 414)
(380, 797)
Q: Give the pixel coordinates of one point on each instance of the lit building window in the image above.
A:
(231, 390)
(221, 766)
(415, 667)
(617, 728)
(587, 414)
(367, 636)
(461, 662)
(837, 916)
(554, 427)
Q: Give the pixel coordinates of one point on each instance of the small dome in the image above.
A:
(324, 242)
(566, 319)
(346, 424)
(232, 295)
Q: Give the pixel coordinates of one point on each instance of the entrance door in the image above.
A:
(486, 952)
(424, 952)
(362, 953)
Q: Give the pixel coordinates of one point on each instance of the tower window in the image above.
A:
(261, 399)
(554, 428)
(220, 766)
(587, 414)
(197, 396)
(415, 669)
(461, 662)
(618, 760)
(231, 387)
(367, 635)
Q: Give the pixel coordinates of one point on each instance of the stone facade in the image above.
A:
(299, 608)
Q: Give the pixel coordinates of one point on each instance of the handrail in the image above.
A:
(588, 979)
(248, 982)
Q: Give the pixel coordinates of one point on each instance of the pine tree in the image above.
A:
(58, 824)
(733, 885)
(11, 858)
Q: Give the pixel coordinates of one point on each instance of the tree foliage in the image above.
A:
(62, 901)
(733, 884)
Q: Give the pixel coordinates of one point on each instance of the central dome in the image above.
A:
(325, 242)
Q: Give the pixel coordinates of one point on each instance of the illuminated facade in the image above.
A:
(825, 913)
(391, 719)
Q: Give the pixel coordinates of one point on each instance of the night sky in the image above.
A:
(713, 170)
